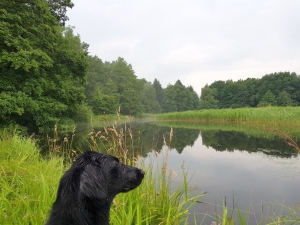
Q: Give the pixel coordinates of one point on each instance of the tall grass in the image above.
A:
(28, 183)
(157, 200)
(28, 186)
(261, 116)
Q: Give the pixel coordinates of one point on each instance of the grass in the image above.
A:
(28, 185)
(110, 117)
(156, 200)
(259, 116)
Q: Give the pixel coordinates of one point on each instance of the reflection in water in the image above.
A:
(248, 171)
(231, 140)
(241, 180)
(150, 136)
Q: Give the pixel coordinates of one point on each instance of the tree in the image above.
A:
(128, 86)
(193, 99)
(97, 75)
(284, 99)
(102, 103)
(150, 104)
(101, 87)
(42, 66)
(58, 8)
(267, 100)
(241, 95)
(177, 97)
(250, 92)
(170, 99)
(207, 98)
(159, 92)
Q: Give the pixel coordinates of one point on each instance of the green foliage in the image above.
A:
(159, 92)
(193, 99)
(81, 113)
(207, 99)
(103, 103)
(42, 66)
(179, 98)
(128, 86)
(261, 116)
(284, 99)
(58, 8)
(149, 101)
(267, 100)
(113, 85)
(280, 89)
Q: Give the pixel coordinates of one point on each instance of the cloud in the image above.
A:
(195, 41)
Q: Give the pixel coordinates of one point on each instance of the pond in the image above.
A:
(245, 168)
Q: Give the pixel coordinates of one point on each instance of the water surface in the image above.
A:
(239, 168)
(241, 171)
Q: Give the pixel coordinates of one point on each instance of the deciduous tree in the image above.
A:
(42, 66)
(207, 98)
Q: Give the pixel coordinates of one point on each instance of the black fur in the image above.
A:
(86, 190)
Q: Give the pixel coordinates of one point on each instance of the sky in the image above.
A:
(194, 41)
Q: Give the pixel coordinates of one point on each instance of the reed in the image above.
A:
(157, 200)
(29, 183)
(259, 116)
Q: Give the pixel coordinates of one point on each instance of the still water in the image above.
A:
(246, 171)
(240, 179)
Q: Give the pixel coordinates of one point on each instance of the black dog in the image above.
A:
(86, 190)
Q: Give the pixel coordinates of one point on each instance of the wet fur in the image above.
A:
(86, 190)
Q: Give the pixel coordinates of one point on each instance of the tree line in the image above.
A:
(111, 85)
(47, 75)
(276, 89)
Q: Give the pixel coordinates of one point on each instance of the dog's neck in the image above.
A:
(101, 209)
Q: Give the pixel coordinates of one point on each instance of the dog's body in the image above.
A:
(86, 190)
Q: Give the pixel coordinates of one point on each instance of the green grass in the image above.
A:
(28, 183)
(28, 186)
(156, 200)
(109, 117)
(261, 116)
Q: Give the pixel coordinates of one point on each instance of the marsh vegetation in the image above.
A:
(183, 182)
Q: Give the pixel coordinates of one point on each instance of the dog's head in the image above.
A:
(103, 176)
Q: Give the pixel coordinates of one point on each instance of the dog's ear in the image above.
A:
(92, 182)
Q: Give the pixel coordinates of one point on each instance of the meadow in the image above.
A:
(266, 116)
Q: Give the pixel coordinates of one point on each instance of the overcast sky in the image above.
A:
(195, 41)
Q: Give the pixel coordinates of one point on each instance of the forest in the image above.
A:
(48, 77)
(276, 89)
